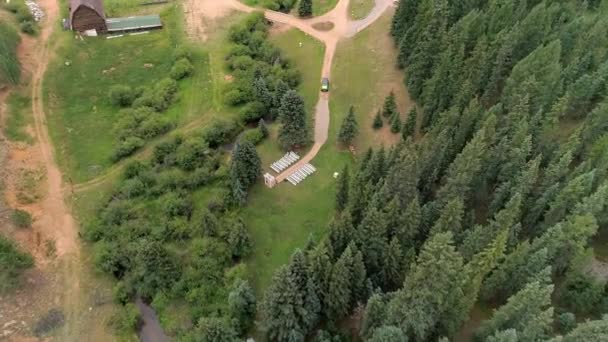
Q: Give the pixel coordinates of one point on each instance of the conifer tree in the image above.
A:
(242, 302)
(340, 292)
(305, 8)
(596, 330)
(246, 165)
(372, 241)
(410, 227)
(359, 280)
(343, 189)
(374, 315)
(390, 106)
(434, 285)
(341, 232)
(450, 218)
(529, 312)
(409, 129)
(378, 123)
(396, 123)
(388, 334)
(349, 127)
(393, 269)
(292, 114)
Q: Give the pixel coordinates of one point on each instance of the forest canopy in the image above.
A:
(496, 204)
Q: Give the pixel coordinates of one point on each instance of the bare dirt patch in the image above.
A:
(324, 26)
(201, 14)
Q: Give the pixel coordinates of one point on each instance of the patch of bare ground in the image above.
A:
(324, 26)
(201, 15)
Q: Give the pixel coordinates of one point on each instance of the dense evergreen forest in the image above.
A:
(495, 205)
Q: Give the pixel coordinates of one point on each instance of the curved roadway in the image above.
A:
(343, 28)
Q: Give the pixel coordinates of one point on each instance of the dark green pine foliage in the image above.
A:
(432, 289)
(374, 315)
(396, 123)
(390, 106)
(292, 115)
(263, 128)
(349, 128)
(343, 190)
(341, 232)
(245, 168)
(377, 123)
(529, 312)
(340, 291)
(409, 128)
(305, 8)
(242, 305)
(388, 334)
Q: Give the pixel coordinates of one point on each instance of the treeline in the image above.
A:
(496, 203)
(142, 119)
(166, 247)
(10, 69)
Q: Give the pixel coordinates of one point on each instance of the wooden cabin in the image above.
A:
(87, 15)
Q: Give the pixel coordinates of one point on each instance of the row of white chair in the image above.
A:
(301, 174)
(283, 163)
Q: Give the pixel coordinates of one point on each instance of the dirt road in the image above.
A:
(343, 27)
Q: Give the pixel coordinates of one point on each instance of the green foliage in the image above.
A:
(242, 305)
(292, 115)
(377, 123)
(181, 69)
(126, 320)
(390, 106)
(10, 69)
(121, 95)
(245, 167)
(409, 129)
(588, 331)
(305, 8)
(343, 189)
(349, 127)
(396, 123)
(388, 334)
(12, 263)
(21, 218)
(27, 26)
(580, 292)
(566, 322)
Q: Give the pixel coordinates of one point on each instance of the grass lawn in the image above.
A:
(81, 119)
(359, 9)
(363, 74)
(308, 59)
(18, 117)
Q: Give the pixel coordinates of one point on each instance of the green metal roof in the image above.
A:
(133, 23)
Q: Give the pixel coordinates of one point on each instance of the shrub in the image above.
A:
(24, 14)
(181, 69)
(182, 52)
(127, 147)
(21, 218)
(28, 27)
(154, 126)
(220, 132)
(235, 97)
(566, 322)
(254, 136)
(13, 262)
(253, 112)
(121, 95)
(10, 70)
(126, 320)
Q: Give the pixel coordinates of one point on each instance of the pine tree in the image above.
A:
(343, 189)
(388, 334)
(281, 307)
(339, 298)
(588, 331)
(292, 114)
(396, 123)
(393, 269)
(359, 280)
(390, 106)
(374, 316)
(529, 312)
(409, 129)
(450, 218)
(349, 127)
(341, 232)
(434, 285)
(372, 240)
(246, 166)
(378, 123)
(242, 304)
(305, 8)
(319, 265)
(262, 93)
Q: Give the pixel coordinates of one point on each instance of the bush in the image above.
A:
(10, 70)
(13, 262)
(181, 69)
(126, 320)
(566, 322)
(235, 97)
(220, 132)
(254, 136)
(127, 147)
(24, 14)
(28, 27)
(253, 112)
(154, 126)
(21, 218)
(182, 52)
(121, 95)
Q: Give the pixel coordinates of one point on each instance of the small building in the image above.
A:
(133, 24)
(86, 15)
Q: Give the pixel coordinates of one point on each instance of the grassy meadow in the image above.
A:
(359, 9)
(18, 117)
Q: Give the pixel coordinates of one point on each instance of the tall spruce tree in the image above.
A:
(305, 8)
(377, 123)
(390, 106)
(349, 127)
(292, 114)
(409, 129)
(343, 189)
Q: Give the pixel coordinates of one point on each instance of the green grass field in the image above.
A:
(363, 74)
(309, 59)
(283, 218)
(18, 117)
(359, 9)
(81, 119)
